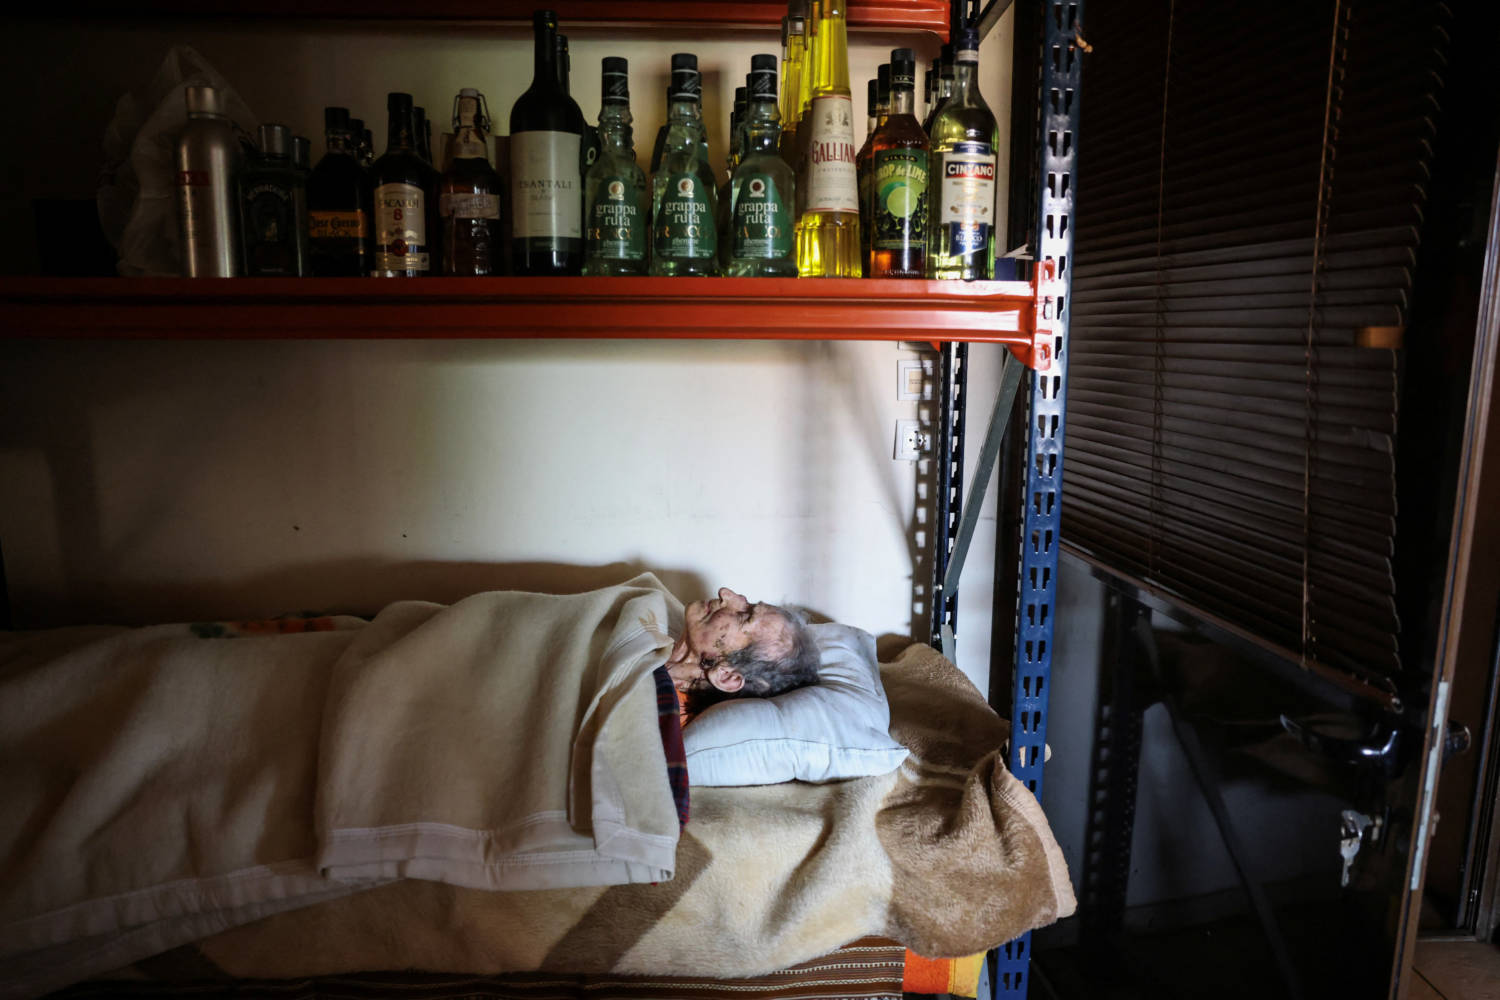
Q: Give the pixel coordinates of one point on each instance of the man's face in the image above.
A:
(715, 628)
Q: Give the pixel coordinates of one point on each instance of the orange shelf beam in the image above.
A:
(1000, 312)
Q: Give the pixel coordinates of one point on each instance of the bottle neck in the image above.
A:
(882, 112)
(544, 69)
(833, 52)
(399, 133)
(615, 134)
(685, 109)
(903, 101)
(762, 131)
(340, 142)
(963, 80)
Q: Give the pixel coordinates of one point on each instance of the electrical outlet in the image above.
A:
(911, 441)
(914, 378)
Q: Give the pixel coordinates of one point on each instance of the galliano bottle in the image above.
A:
(469, 194)
(406, 212)
(208, 164)
(338, 228)
(828, 242)
(762, 194)
(684, 240)
(961, 223)
(616, 222)
(546, 185)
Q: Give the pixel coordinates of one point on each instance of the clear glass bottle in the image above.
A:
(731, 160)
(338, 196)
(899, 181)
(546, 185)
(763, 191)
(943, 89)
(616, 223)
(469, 194)
(273, 208)
(684, 240)
(406, 212)
(961, 223)
(828, 243)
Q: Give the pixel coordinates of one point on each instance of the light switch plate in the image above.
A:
(914, 378)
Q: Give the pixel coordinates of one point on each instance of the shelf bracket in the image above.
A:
(1046, 290)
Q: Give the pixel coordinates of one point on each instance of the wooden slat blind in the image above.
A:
(1249, 204)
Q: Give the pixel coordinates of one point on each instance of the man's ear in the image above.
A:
(679, 652)
(726, 679)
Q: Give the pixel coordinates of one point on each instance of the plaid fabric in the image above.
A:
(671, 741)
(867, 969)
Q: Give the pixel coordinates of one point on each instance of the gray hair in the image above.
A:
(768, 673)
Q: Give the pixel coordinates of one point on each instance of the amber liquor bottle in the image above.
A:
(406, 211)
(469, 194)
(899, 181)
(338, 192)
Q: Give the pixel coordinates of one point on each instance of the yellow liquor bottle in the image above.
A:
(794, 31)
(828, 243)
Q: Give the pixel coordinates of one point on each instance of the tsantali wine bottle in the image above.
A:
(546, 138)
(406, 211)
(338, 192)
(469, 194)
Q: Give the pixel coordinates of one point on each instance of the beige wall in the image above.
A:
(159, 481)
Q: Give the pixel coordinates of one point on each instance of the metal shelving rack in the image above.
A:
(1029, 317)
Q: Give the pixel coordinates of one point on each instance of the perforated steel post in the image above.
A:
(1061, 68)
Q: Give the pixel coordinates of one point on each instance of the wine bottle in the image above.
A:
(616, 185)
(546, 140)
(406, 211)
(469, 193)
(338, 193)
(961, 223)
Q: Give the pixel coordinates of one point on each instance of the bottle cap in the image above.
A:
(276, 140)
(398, 103)
(203, 101)
(761, 83)
(301, 152)
(687, 85)
(419, 118)
(336, 119)
(797, 8)
(872, 97)
(616, 80)
(883, 84)
(544, 20)
(468, 92)
(741, 98)
(903, 69)
(966, 45)
(356, 127)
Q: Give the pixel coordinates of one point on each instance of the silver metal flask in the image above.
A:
(208, 158)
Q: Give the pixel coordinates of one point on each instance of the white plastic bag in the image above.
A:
(137, 197)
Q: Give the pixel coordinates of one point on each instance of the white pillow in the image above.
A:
(837, 728)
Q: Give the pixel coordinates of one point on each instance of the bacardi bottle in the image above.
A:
(406, 210)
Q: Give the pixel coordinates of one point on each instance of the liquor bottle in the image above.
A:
(943, 89)
(931, 78)
(208, 164)
(731, 160)
(828, 244)
(804, 122)
(406, 211)
(961, 223)
(421, 132)
(469, 194)
(589, 148)
(762, 192)
(898, 207)
(338, 228)
(546, 143)
(273, 208)
(661, 137)
(616, 221)
(793, 61)
(302, 154)
(864, 161)
(683, 200)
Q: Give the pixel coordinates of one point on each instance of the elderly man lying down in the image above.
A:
(161, 785)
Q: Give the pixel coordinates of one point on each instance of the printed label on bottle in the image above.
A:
(468, 205)
(899, 189)
(337, 225)
(684, 224)
(400, 229)
(832, 177)
(967, 210)
(468, 145)
(762, 221)
(615, 224)
(545, 185)
(271, 235)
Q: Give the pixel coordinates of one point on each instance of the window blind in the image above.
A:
(1249, 206)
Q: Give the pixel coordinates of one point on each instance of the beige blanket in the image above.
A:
(949, 855)
(159, 786)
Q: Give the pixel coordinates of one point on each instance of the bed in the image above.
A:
(293, 854)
